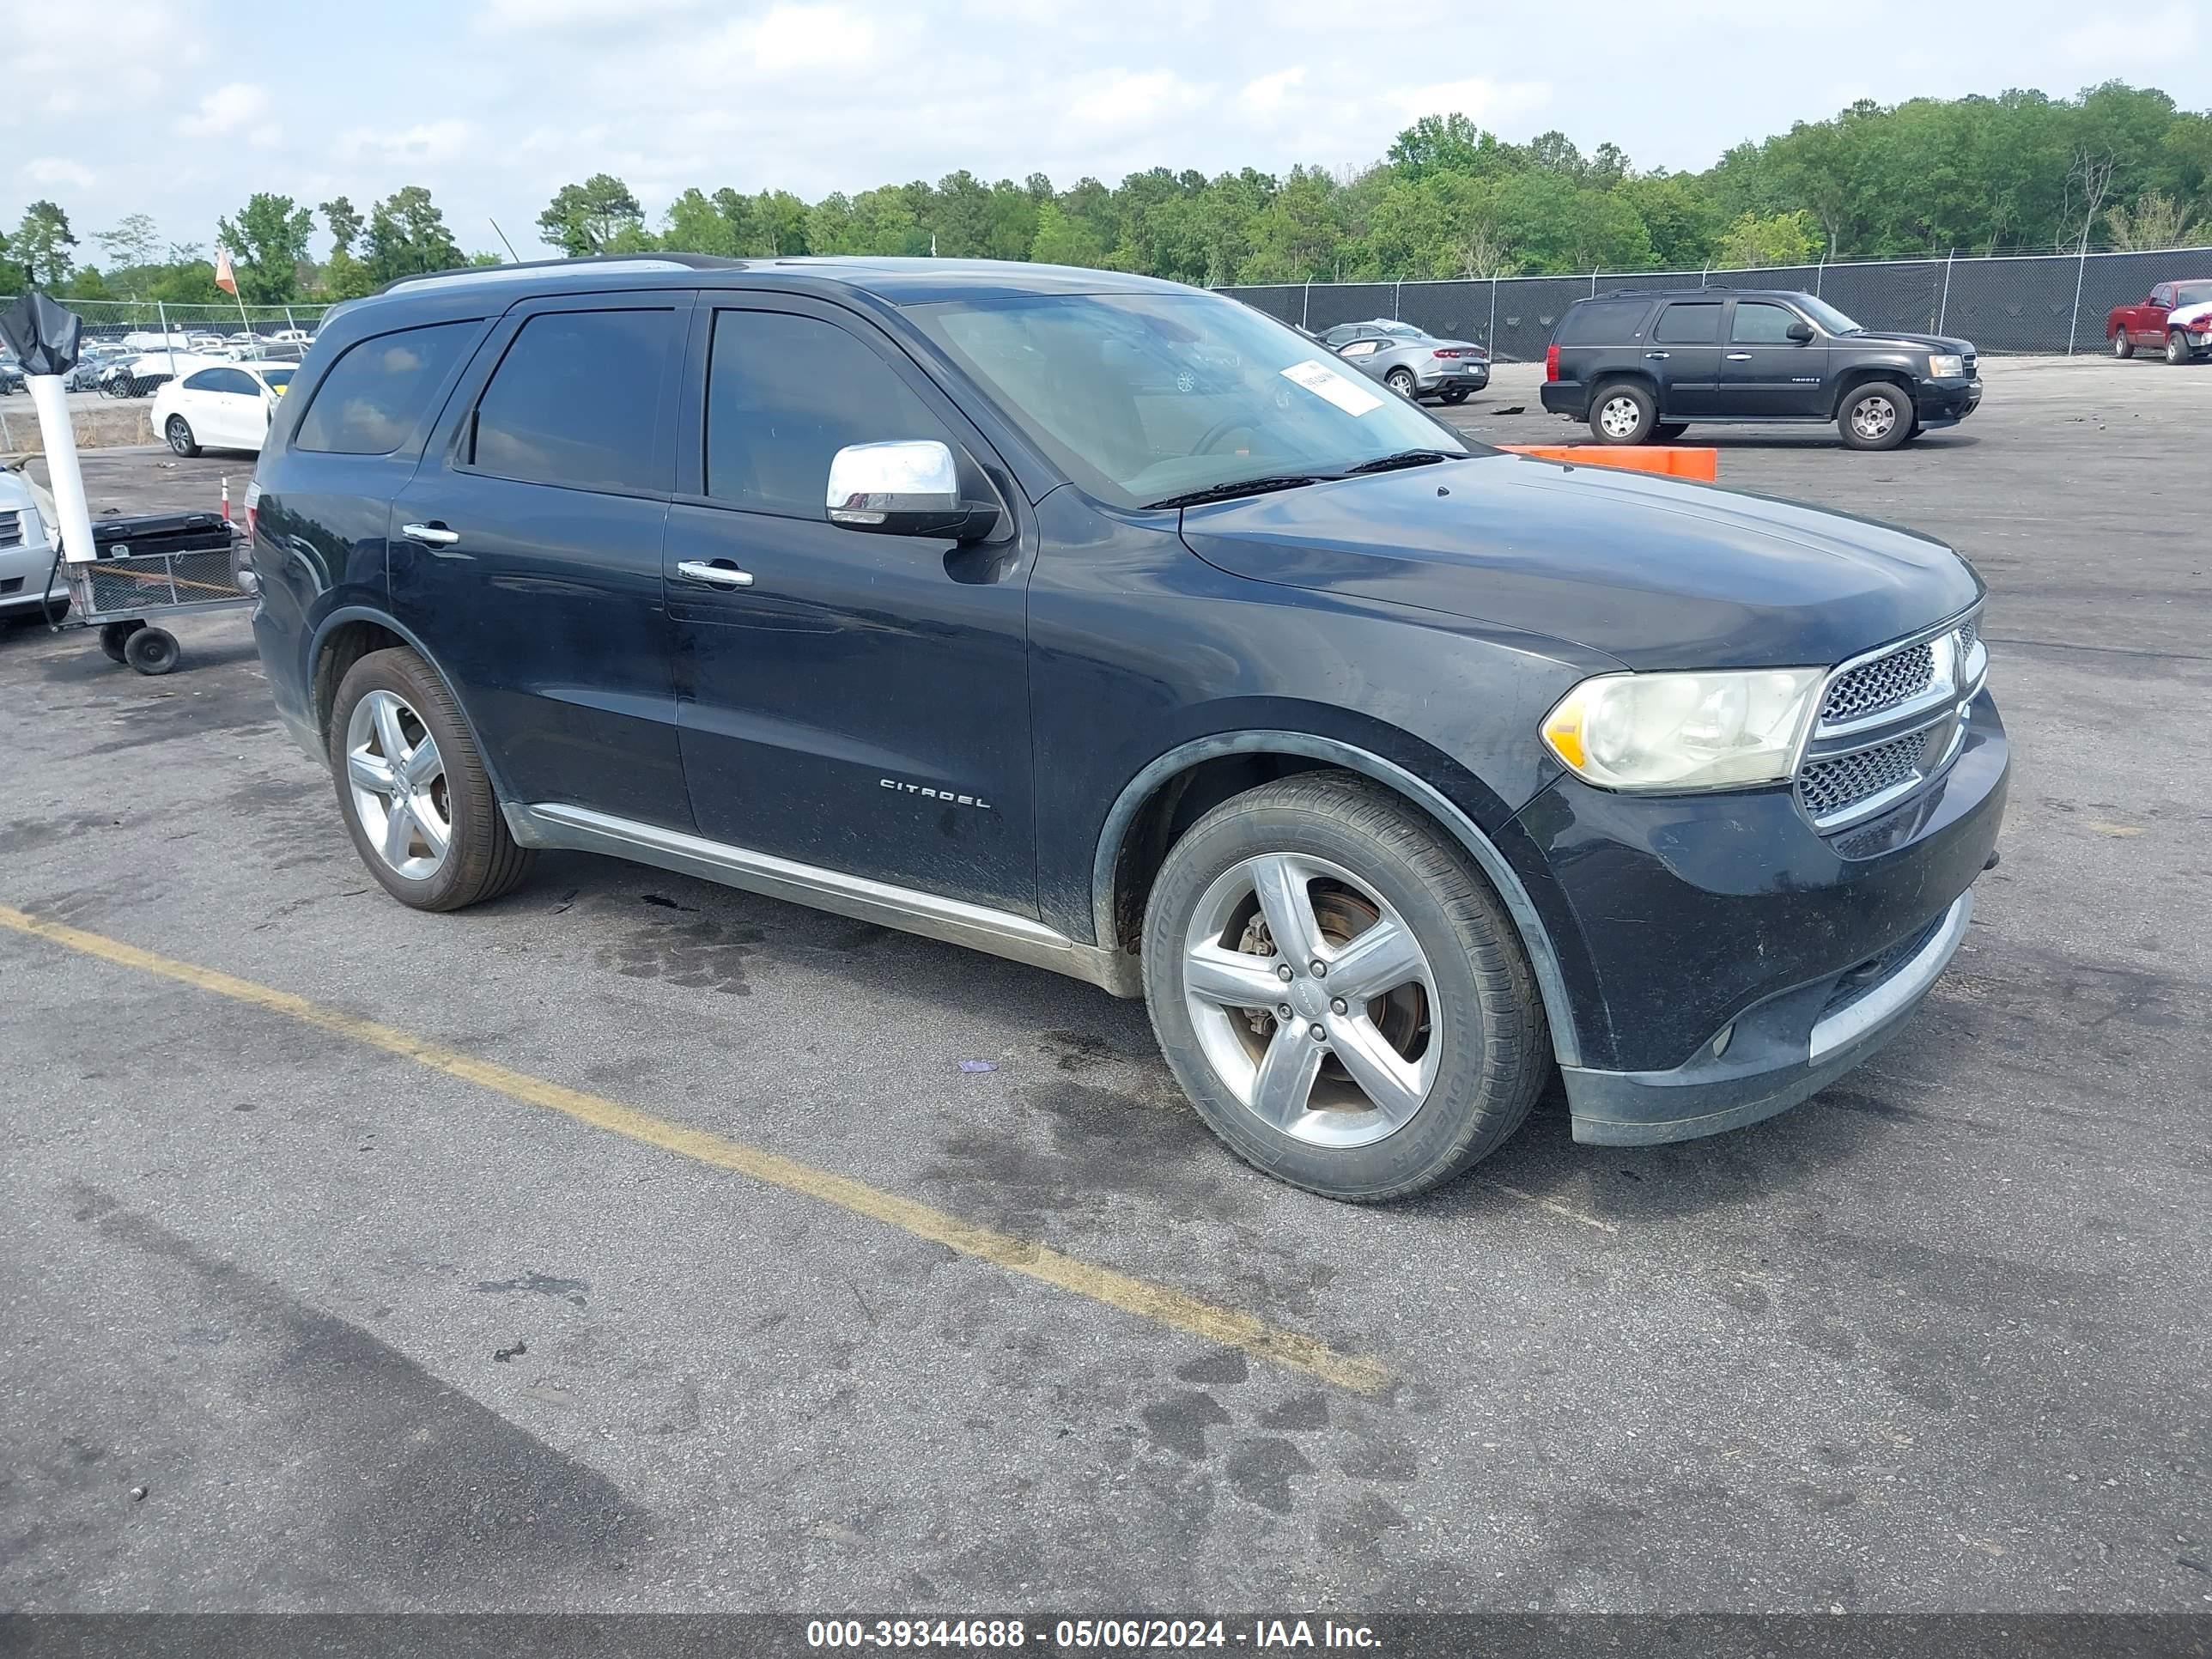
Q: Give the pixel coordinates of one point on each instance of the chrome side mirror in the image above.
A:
(907, 487)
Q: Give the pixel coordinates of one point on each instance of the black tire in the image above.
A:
(1456, 396)
(151, 650)
(1400, 380)
(2123, 347)
(1876, 416)
(1667, 431)
(2178, 349)
(114, 636)
(482, 862)
(1495, 1056)
(1606, 406)
(178, 434)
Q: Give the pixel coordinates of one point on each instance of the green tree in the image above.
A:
(1777, 239)
(345, 278)
(42, 242)
(1062, 239)
(407, 236)
(132, 247)
(588, 218)
(268, 243)
(344, 223)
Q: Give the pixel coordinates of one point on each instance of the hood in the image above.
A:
(1655, 572)
(2190, 316)
(1898, 337)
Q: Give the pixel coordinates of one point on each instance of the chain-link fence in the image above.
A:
(2026, 303)
(131, 346)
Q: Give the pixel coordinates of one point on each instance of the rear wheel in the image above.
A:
(1875, 417)
(1622, 413)
(2123, 347)
(1341, 996)
(179, 436)
(114, 636)
(413, 787)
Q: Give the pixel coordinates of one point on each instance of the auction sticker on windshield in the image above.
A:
(1347, 393)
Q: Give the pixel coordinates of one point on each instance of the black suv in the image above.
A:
(1640, 366)
(1393, 772)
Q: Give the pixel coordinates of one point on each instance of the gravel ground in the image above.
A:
(370, 1334)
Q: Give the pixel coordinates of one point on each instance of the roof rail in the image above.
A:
(615, 264)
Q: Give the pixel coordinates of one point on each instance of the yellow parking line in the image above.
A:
(1209, 1320)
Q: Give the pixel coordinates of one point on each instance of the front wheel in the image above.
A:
(1339, 993)
(179, 436)
(151, 650)
(114, 636)
(2178, 349)
(413, 787)
(1400, 380)
(1623, 414)
(2123, 347)
(1875, 417)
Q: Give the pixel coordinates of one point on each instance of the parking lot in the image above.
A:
(636, 1244)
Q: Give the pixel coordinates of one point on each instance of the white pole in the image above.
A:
(1305, 306)
(1943, 307)
(1395, 293)
(74, 528)
(1492, 341)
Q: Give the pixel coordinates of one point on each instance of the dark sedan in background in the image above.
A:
(1411, 363)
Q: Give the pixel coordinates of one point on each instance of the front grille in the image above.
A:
(11, 529)
(1882, 683)
(1969, 631)
(1829, 786)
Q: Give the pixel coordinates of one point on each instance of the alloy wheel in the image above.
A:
(1618, 417)
(398, 782)
(1873, 418)
(1312, 1000)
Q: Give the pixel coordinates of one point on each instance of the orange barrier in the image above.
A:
(1675, 461)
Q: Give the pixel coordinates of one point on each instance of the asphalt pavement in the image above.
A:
(633, 1244)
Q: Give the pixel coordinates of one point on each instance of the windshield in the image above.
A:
(1142, 397)
(2191, 294)
(1827, 316)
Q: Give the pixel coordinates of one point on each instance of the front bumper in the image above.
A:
(1726, 962)
(1946, 403)
(23, 578)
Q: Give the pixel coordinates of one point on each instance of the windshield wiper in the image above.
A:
(1235, 487)
(1405, 458)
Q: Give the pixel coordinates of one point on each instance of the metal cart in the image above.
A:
(147, 569)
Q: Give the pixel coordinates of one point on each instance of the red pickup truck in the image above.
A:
(2152, 322)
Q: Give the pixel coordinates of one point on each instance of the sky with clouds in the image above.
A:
(181, 108)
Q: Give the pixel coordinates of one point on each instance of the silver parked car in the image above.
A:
(26, 556)
(1411, 362)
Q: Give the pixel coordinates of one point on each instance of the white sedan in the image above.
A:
(221, 406)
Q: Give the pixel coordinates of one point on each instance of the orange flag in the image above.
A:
(225, 277)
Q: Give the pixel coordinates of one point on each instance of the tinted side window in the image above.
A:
(373, 397)
(1760, 324)
(784, 394)
(207, 380)
(237, 380)
(1603, 322)
(1696, 323)
(576, 401)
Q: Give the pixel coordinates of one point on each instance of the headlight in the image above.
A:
(1684, 730)
(1946, 366)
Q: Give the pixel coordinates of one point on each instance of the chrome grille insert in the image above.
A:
(1882, 683)
(11, 529)
(1831, 785)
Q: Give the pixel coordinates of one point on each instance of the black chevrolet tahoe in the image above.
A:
(1397, 775)
(1642, 367)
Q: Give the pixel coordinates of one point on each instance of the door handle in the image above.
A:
(430, 535)
(719, 573)
(1658, 353)
(1739, 356)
